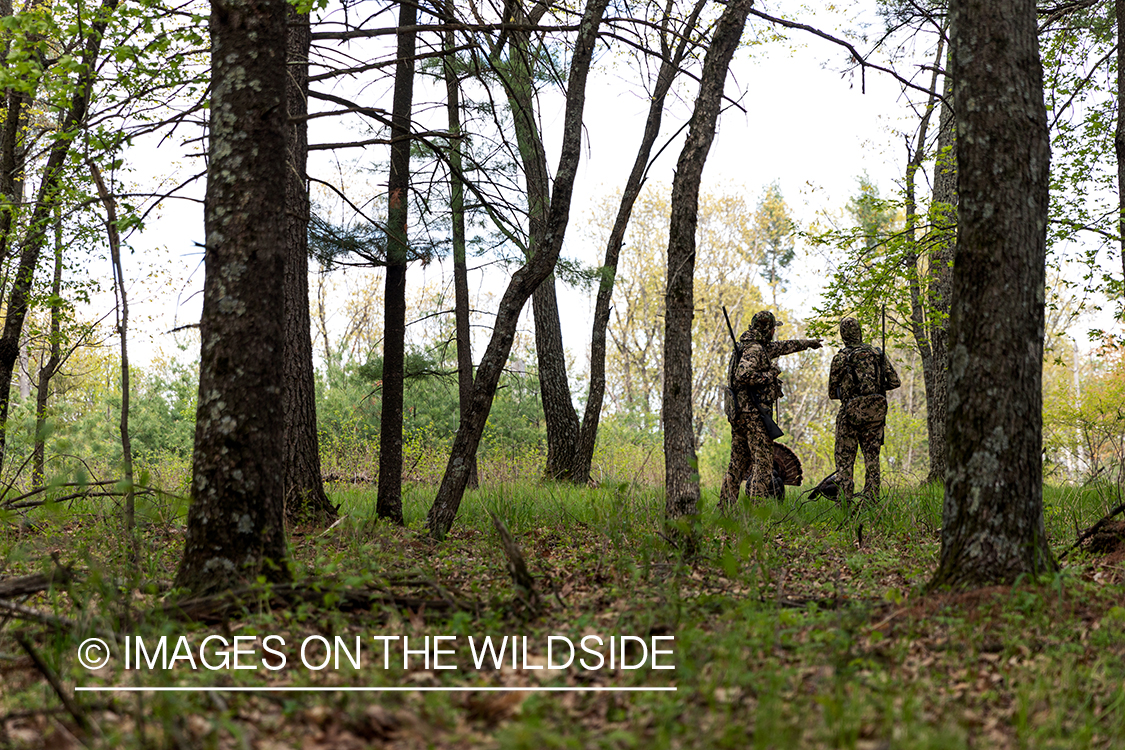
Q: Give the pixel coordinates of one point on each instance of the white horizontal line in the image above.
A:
(266, 689)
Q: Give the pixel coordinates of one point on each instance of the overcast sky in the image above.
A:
(805, 126)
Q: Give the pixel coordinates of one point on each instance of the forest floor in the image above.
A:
(798, 626)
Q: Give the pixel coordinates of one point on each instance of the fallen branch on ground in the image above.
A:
(1092, 530)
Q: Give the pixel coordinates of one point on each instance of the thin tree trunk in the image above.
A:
(236, 521)
(305, 499)
(388, 504)
(944, 217)
(1119, 135)
(669, 67)
(123, 332)
(54, 358)
(681, 475)
(922, 318)
(523, 283)
(19, 297)
(992, 521)
(457, 212)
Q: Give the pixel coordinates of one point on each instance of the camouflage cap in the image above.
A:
(851, 332)
(762, 325)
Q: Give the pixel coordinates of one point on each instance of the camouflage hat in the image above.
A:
(762, 326)
(851, 332)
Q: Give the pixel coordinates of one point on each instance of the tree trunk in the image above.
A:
(669, 67)
(114, 239)
(1119, 135)
(235, 525)
(559, 415)
(457, 212)
(47, 371)
(20, 295)
(554, 387)
(13, 154)
(523, 283)
(388, 505)
(681, 475)
(944, 217)
(305, 500)
(992, 521)
(924, 325)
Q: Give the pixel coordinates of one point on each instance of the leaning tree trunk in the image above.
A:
(305, 499)
(388, 504)
(457, 214)
(235, 525)
(523, 282)
(992, 521)
(554, 388)
(680, 466)
(669, 67)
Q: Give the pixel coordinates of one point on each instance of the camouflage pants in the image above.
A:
(868, 437)
(750, 448)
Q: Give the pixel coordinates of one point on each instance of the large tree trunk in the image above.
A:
(457, 213)
(681, 475)
(669, 67)
(20, 295)
(992, 522)
(235, 526)
(522, 284)
(388, 505)
(305, 499)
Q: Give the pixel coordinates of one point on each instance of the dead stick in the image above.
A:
(45, 669)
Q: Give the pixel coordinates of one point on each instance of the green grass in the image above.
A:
(788, 632)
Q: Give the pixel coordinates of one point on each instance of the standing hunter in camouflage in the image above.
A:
(860, 378)
(756, 385)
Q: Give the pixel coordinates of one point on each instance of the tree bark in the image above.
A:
(944, 217)
(992, 521)
(235, 525)
(388, 505)
(681, 475)
(554, 388)
(666, 75)
(522, 284)
(305, 499)
(460, 268)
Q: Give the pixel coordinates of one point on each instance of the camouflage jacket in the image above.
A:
(757, 376)
(861, 370)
